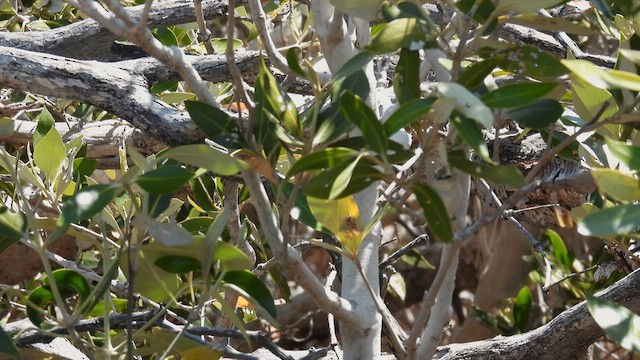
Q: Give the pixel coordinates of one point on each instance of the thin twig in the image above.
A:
(403, 250)
(204, 35)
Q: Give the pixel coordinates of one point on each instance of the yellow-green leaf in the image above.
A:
(342, 217)
(49, 154)
(616, 184)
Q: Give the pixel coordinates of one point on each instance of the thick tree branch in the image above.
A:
(566, 337)
(97, 42)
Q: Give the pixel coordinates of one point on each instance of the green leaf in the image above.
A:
(167, 233)
(588, 100)
(364, 9)
(342, 217)
(482, 11)
(619, 323)
(498, 174)
(435, 211)
(292, 61)
(274, 100)
(522, 308)
(467, 103)
(410, 33)
(69, 283)
(616, 184)
(515, 95)
(529, 61)
(407, 114)
(216, 124)
(165, 180)
(560, 252)
(206, 157)
(406, 78)
(231, 258)
(540, 114)
(45, 123)
(12, 227)
(603, 78)
(87, 202)
(360, 114)
(544, 23)
(618, 220)
(342, 180)
(628, 154)
(253, 287)
(524, 6)
(321, 186)
(470, 132)
(356, 63)
(6, 345)
(326, 158)
(178, 264)
(475, 73)
(49, 154)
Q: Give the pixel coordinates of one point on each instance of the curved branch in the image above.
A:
(566, 337)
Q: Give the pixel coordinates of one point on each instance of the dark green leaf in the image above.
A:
(254, 287)
(522, 308)
(321, 186)
(497, 174)
(6, 345)
(406, 78)
(12, 227)
(156, 204)
(529, 61)
(540, 114)
(87, 202)
(515, 95)
(69, 283)
(475, 73)
(231, 258)
(45, 123)
(482, 11)
(83, 167)
(407, 114)
(178, 264)
(410, 33)
(356, 83)
(216, 124)
(360, 114)
(618, 220)
(292, 61)
(435, 211)
(327, 158)
(470, 132)
(619, 323)
(165, 180)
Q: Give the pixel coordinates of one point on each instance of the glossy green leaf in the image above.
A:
(292, 61)
(178, 264)
(435, 211)
(342, 180)
(603, 78)
(524, 6)
(206, 157)
(326, 158)
(362, 176)
(231, 258)
(497, 174)
(470, 132)
(87, 202)
(407, 114)
(529, 61)
(619, 323)
(406, 78)
(616, 184)
(49, 154)
(216, 124)
(220, 44)
(540, 114)
(253, 287)
(355, 109)
(560, 252)
(6, 346)
(275, 100)
(515, 95)
(522, 308)
(165, 180)
(628, 154)
(69, 283)
(356, 63)
(12, 227)
(618, 220)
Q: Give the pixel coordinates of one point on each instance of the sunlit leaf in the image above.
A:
(603, 78)
(588, 100)
(628, 154)
(560, 252)
(206, 157)
(49, 154)
(522, 308)
(544, 23)
(435, 211)
(409, 33)
(619, 323)
(342, 217)
(216, 124)
(524, 6)
(364, 9)
(69, 283)
(326, 158)
(616, 184)
(618, 220)
(467, 103)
